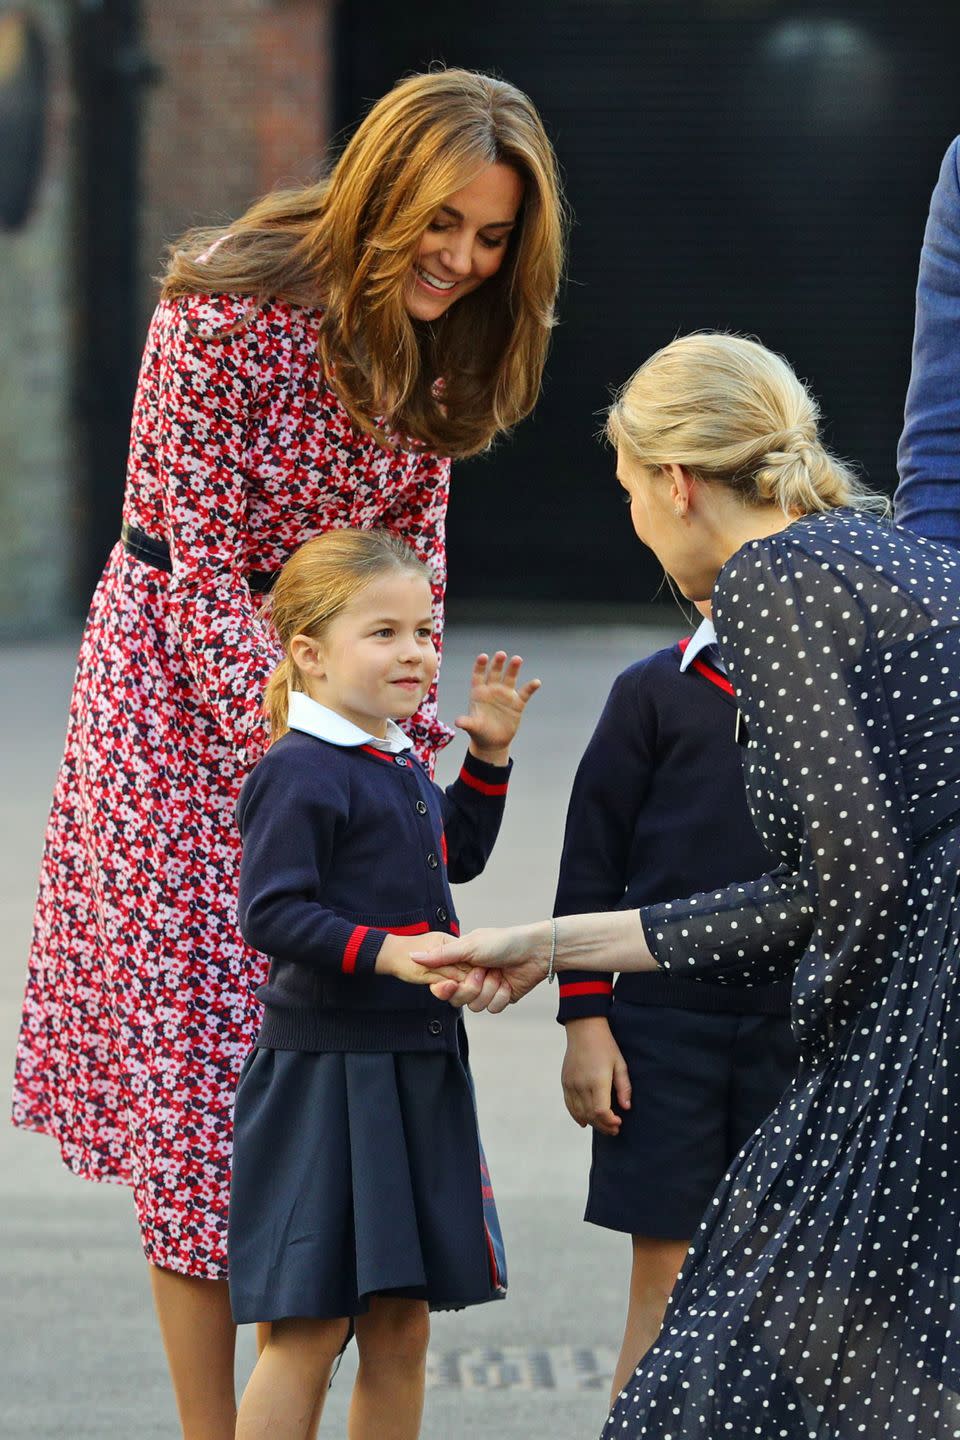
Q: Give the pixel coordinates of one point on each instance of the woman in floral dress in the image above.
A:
(315, 366)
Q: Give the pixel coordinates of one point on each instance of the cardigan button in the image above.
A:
(435, 1027)
(432, 861)
(442, 914)
(400, 760)
(421, 808)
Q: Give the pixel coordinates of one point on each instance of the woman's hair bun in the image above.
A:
(734, 413)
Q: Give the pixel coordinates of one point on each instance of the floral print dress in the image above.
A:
(139, 1006)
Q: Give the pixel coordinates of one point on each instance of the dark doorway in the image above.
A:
(109, 70)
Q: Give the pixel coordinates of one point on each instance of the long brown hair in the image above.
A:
(314, 585)
(347, 245)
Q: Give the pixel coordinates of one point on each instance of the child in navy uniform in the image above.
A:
(673, 1074)
(359, 1194)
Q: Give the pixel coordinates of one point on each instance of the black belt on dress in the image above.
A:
(157, 553)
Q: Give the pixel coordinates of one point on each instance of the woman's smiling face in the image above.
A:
(465, 243)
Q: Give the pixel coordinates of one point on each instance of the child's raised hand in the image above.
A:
(497, 704)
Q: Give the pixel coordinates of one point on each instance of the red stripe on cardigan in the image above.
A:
(380, 754)
(585, 987)
(421, 928)
(483, 786)
(352, 950)
(707, 671)
(357, 938)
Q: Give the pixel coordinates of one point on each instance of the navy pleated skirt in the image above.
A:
(357, 1175)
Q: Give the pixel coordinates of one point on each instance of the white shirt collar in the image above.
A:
(703, 636)
(313, 718)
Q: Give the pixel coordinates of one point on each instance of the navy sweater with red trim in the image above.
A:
(342, 846)
(659, 811)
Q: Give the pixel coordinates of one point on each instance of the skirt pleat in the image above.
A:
(357, 1175)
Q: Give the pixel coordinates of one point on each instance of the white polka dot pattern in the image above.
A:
(819, 1301)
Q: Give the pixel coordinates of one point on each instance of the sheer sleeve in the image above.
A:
(207, 392)
(796, 640)
(749, 933)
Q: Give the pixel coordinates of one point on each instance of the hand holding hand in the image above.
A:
(496, 706)
(594, 1071)
(501, 965)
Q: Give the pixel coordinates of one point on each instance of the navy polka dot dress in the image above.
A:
(819, 1300)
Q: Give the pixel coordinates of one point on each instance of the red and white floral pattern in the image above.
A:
(139, 1007)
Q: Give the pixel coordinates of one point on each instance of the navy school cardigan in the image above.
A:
(658, 811)
(342, 846)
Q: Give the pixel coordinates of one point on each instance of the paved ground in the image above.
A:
(81, 1358)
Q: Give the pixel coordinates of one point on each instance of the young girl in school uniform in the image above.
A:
(357, 1198)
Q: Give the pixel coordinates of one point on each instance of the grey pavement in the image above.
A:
(80, 1357)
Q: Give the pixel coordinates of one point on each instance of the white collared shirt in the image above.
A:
(703, 636)
(313, 718)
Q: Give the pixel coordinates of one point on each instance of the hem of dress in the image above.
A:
(77, 1164)
(82, 1170)
(250, 1314)
(179, 1265)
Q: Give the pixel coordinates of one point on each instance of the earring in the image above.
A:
(679, 511)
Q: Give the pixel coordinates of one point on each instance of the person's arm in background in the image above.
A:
(927, 500)
(609, 787)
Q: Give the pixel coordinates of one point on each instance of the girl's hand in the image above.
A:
(496, 706)
(501, 965)
(394, 959)
(594, 1071)
(491, 990)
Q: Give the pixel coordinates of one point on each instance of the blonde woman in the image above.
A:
(314, 366)
(819, 1297)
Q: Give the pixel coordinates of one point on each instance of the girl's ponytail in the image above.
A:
(276, 699)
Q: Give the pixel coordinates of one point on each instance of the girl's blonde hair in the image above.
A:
(348, 243)
(734, 413)
(313, 587)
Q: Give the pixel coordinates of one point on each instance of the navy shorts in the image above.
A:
(702, 1083)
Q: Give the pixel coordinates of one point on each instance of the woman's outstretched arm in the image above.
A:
(603, 942)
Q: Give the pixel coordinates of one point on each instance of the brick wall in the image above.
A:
(242, 104)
